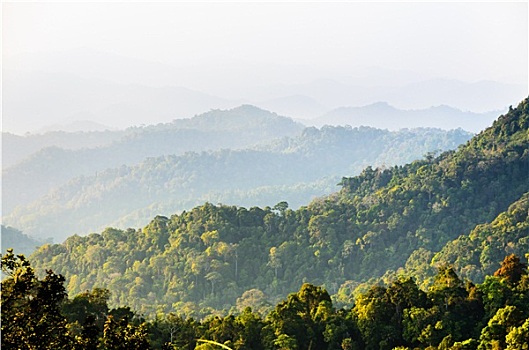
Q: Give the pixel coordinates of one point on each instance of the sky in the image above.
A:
(228, 49)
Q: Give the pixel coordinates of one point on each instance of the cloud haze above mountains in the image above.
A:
(123, 64)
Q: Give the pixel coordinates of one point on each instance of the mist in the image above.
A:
(120, 64)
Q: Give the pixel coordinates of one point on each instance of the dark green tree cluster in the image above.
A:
(451, 314)
(36, 314)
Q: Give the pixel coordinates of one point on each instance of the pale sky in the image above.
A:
(469, 41)
(212, 45)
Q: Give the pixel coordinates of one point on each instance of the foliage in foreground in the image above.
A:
(451, 314)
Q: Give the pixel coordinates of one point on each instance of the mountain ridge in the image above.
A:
(385, 116)
(374, 224)
(308, 163)
(33, 176)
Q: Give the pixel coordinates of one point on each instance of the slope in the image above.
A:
(475, 255)
(294, 169)
(54, 166)
(16, 148)
(21, 243)
(207, 257)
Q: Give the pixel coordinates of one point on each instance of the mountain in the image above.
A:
(473, 255)
(296, 169)
(209, 256)
(479, 96)
(20, 242)
(16, 148)
(54, 166)
(296, 106)
(106, 102)
(82, 84)
(417, 93)
(76, 126)
(382, 115)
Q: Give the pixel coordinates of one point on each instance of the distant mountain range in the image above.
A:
(245, 155)
(461, 211)
(382, 115)
(102, 90)
(75, 126)
(41, 162)
(419, 94)
(65, 98)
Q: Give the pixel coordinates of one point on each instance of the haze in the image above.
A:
(122, 64)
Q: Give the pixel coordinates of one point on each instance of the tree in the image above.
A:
(213, 277)
(512, 270)
(302, 317)
(275, 259)
(91, 304)
(281, 207)
(518, 337)
(285, 342)
(250, 328)
(90, 333)
(496, 294)
(404, 293)
(255, 299)
(120, 335)
(493, 336)
(375, 313)
(421, 326)
(460, 307)
(31, 308)
(447, 289)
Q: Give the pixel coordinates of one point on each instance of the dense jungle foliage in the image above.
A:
(401, 257)
(382, 223)
(451, 314)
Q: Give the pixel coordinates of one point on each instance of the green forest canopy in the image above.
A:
(381, 223)
(451, 314)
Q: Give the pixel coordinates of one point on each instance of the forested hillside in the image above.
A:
(384, 219)
(16, 148)
(13, 238)
(294, 168)
(53, 166)
(474, 255)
